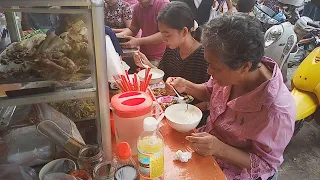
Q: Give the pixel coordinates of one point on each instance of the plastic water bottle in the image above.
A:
(150, 150)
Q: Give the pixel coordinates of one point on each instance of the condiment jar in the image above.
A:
(81, 175)
(126, 167)
(89, 157)
(104, 171)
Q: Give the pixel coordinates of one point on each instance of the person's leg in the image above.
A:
(316, 16)
(307, 9)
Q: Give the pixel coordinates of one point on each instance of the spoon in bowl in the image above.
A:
(181, 98)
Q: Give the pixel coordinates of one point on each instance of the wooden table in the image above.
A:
(197, 168)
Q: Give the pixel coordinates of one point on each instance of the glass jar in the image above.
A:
(104, 171)
(81, 175)
(89, 157)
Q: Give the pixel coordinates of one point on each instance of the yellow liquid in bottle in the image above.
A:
(151, 157)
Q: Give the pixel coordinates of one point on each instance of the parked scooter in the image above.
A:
(280, 42)
(280, 39)
(306, 85)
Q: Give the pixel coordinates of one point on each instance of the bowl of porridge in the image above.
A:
(183, 117)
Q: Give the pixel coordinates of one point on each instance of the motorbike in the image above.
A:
(291, 9)
(280, 39)
(306, 84)
(282, 42)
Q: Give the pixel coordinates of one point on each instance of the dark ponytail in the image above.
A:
(178, 15)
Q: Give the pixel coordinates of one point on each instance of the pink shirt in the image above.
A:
(145, 18)
(260, 122)
(132, 2)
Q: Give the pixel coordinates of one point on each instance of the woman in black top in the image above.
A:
(184, 56)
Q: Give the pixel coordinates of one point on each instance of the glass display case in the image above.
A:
(54, 56)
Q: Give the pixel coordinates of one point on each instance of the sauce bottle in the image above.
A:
(126, 167)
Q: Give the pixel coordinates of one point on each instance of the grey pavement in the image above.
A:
(302, 156)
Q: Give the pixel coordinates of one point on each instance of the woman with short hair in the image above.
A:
(252, 113)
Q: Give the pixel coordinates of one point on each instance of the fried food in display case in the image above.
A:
(63, 57)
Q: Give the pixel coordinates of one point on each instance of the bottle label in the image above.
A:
(151, 165)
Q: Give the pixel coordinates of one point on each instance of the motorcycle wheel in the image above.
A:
(297, 127)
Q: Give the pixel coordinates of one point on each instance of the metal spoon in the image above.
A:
(179, 96)
(144, 65)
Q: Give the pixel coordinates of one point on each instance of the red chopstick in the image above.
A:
(135, 78)
(147, 82)
(141, 86)
(127, 75)
(125, 83)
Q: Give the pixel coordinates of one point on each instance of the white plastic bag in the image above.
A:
(27, 147)
(115, 65)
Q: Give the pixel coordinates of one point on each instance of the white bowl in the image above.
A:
(181, 119)
(49, 167)
(157, 75)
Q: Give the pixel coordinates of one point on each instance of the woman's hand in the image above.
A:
(132, 43)
(179, 83)
(138, 57)
(206, 144)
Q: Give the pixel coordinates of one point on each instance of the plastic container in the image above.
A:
(150, 150)
(129, 111)
(126, 167)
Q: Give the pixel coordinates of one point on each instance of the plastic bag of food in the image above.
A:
(27, 147)
(16, 172)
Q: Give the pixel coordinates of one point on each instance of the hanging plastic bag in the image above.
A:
(60, 129)
(27, 147)
(115, 65)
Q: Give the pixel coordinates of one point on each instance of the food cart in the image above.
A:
(57, 62)
(72, 61)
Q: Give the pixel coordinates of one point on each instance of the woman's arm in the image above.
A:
(152, 39)
(230, 6)
(127, 24)
(270, 138)
(140, 57)
(198, 91)
(235, 156)
(208, 145)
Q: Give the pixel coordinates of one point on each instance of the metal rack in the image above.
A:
(100, 90)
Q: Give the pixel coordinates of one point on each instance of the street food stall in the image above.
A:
(54, 99)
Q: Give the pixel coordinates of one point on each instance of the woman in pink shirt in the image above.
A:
(252, 113)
